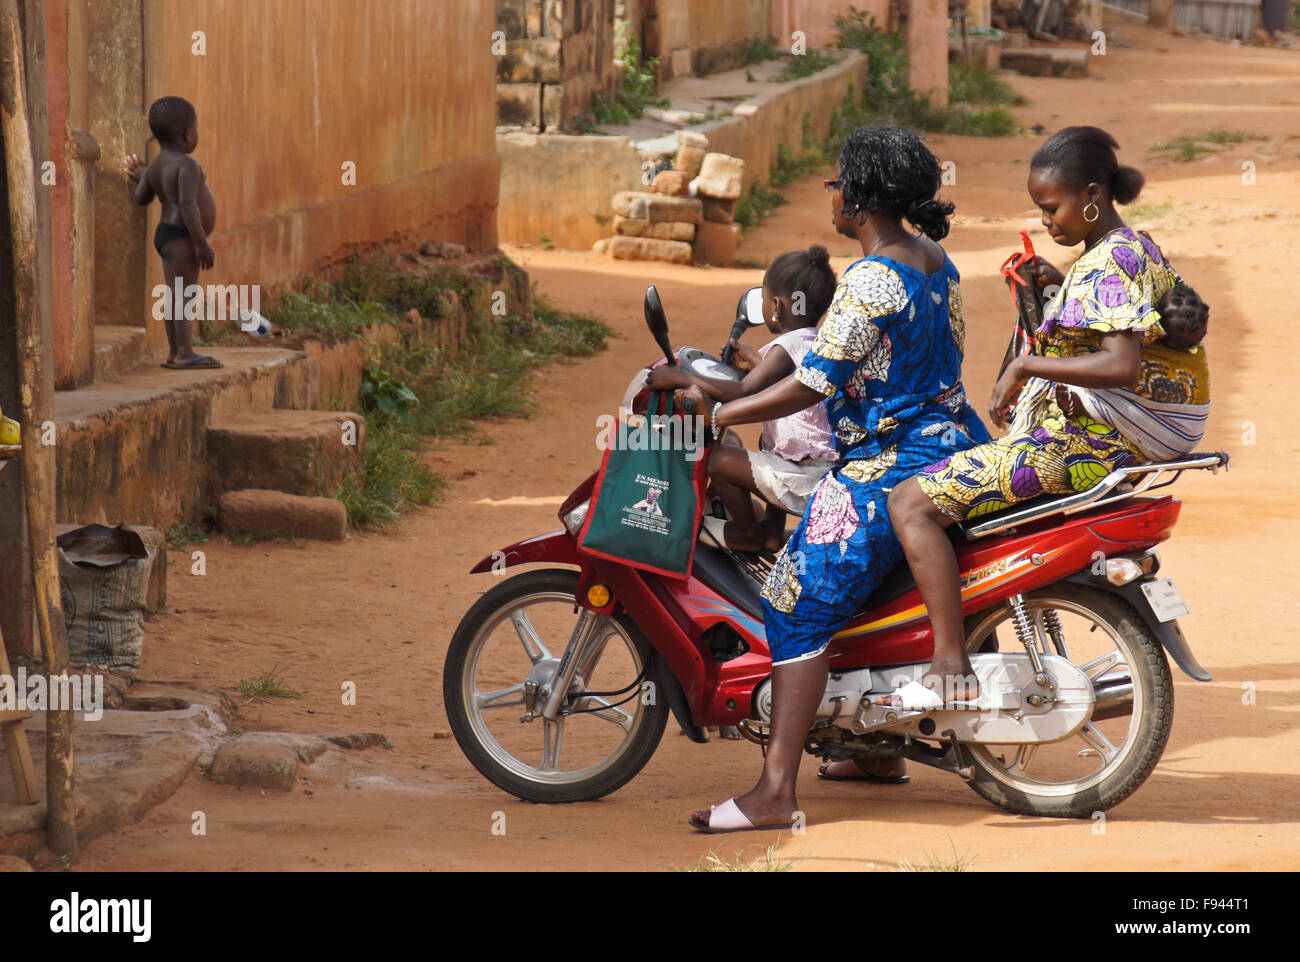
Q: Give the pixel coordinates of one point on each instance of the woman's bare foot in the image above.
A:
(952, 679)
(761, 810)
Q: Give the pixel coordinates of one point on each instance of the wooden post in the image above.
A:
(1160, 14)
(36, 387)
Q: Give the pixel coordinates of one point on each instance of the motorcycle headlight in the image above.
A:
(574, 520)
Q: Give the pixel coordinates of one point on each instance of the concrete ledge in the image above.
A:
(134, 449)
(117, 350)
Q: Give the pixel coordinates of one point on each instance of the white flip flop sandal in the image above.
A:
(728, 817)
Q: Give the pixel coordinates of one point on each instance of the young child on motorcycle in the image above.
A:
(795, 452)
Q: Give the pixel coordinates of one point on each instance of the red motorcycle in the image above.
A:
(559, 681)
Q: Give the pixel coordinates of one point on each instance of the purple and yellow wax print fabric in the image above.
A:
(888, 358)
(1112, 288)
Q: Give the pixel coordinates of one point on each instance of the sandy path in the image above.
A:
(378, 610)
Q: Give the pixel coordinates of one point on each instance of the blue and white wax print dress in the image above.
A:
(888, 358)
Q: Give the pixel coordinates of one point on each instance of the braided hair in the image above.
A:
(890, 170)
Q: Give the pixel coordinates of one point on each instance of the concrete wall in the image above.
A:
(560, 187)
(758, 128)
(402, 90)
(816, 18)
(557, 186)
(587, 55)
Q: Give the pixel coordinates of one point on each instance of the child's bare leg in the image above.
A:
(773, 525)
(180, 261)
(180, 266)
(174, 269)
(733, 481)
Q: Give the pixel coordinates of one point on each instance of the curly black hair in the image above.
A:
(890, 170)
(1086, 155)
(169, 116)
(1184, 316)
(804, 271)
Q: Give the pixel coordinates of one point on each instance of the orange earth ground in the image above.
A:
(378, 610)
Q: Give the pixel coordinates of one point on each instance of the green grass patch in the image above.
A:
(1151, 211)
(183, 533)
(756, 204)
(413, 393)
(639, 91)
(973, 85)
(759, 49)
(266, 684)
(802, 65)
(938, 863)
(765, 862)
(1188, 147)
(978, 100)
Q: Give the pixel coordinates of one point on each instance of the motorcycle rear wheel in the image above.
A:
(523, 625)
(1061, 787)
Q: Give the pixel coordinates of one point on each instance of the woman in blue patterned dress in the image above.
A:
(887, 363)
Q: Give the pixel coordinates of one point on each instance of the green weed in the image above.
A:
(767, 862)
(266, 684)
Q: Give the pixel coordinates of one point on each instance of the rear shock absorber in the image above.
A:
(1023, 623)
(1055, 630)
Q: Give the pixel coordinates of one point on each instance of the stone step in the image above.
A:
(1043, 62)
(295, 451)
(256, 511)
(117, 350)
(132, 448)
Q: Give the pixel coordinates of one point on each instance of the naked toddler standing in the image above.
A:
(189, 213)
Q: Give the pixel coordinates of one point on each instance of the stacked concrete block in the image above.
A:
(718, 186)
(688, 217)
(552, 59)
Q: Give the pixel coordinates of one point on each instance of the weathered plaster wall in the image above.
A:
(816, 18)
(402, 92)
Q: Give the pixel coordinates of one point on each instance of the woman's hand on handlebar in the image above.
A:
(665, 378)
(702, 402)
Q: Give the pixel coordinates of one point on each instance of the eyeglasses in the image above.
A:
(832, 185)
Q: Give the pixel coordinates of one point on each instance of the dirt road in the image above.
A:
(378, 610)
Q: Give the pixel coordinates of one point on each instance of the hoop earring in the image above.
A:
(1096, 212)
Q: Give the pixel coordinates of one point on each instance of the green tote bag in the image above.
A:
(649, 495)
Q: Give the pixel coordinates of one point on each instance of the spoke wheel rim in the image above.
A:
(550, 734)
(1012, 771)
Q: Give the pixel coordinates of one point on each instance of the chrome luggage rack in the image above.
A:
(1116, 486)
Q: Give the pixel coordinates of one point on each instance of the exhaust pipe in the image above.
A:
(1114, 697)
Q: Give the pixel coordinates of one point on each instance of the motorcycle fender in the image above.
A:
(555, 547)
(1169, 633)
(681, 708)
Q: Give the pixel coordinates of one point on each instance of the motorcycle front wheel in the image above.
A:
(611, 721)
(1107, 760)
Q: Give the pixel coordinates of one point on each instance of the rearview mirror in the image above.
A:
(751, 307)
(657, 321)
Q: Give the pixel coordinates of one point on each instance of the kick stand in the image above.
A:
(951, 758)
